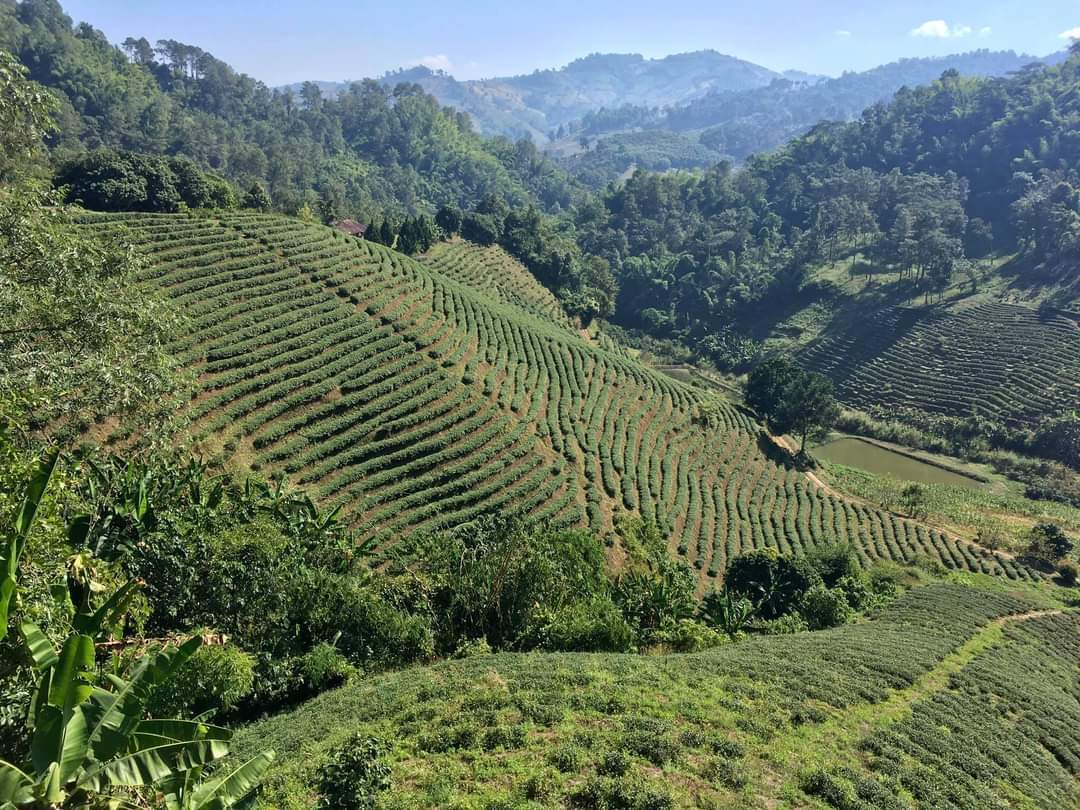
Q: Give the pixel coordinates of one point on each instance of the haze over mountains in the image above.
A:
(681, 91)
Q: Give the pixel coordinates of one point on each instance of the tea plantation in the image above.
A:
(494, 272)
(1007, 362)
(419, 396)
(929, 704)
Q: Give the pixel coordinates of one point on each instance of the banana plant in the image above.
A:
(92, 738)
(727, 612)
(14, 541)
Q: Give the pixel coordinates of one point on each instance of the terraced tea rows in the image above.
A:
(418, 402)
(497, 274)
(994, 726)
(1003, 361)
(754, 724)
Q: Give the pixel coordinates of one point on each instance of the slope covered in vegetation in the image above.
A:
(493, 272)
(1010, 363)
(371, 148)
(418, 402)
(927, 703)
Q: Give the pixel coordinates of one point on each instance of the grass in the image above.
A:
(740, 726)
(421, 395)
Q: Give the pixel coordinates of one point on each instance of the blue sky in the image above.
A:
(282, 41)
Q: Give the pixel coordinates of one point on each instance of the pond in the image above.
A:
(879, 460)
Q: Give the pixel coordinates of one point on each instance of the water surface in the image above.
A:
(853, 452)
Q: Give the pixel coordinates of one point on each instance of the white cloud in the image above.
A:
(439, 61)
(985, 31)
(1072, 33)
(842, 34)
(939, 29)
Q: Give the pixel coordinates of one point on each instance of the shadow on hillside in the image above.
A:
(780, 456)
(854, 339)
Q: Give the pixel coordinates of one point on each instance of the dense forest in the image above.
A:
(940, 175)
(370, 149)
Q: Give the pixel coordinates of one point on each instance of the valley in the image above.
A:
(652, 432)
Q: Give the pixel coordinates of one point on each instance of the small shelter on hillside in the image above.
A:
(351, 227)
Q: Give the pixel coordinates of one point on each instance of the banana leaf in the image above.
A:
(226, 790)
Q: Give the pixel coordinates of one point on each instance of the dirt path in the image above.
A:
(822, 745)
(783, 442)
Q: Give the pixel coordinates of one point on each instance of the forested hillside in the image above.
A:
(372, 148)
(918, 193)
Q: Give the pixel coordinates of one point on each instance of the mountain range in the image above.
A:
(681, 91)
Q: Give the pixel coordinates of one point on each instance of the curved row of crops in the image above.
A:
(419, 402)
(498, 274)
(994, 735)
(1007, 362)
(722, 734)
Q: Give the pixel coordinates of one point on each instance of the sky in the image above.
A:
(283, 41)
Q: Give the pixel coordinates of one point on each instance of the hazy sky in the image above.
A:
(282, 41)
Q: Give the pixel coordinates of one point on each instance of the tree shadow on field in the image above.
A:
(780, 456)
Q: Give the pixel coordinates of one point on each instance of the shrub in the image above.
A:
(324, 667)
(627, 793)
(858, 592)
(656, 596)
(725, 772)
(472, 647)
(498, 577)
(370, 630)
(728, 748)
(687, 635)
(887, 577)
(614, 763)
(786, 625)
(506, 737)
(354, 774)
(833, 562)
(539, 788)
(649, 738)
(214, 678)
(823, 607)
(1049, 542)
(775, 583)
(1068, 573)
(1059, 439)
(595, 626)
(565, 758)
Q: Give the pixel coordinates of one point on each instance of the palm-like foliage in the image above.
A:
(92, 738)
(727, 612)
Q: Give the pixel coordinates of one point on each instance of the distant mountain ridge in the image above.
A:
(734, 124)
(534, 104)
(685, 88)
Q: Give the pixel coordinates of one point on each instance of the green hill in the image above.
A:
(494, 272)
(1011, 363)
(929, 705)
(418, 401)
